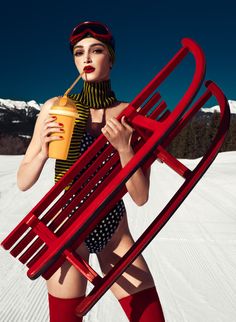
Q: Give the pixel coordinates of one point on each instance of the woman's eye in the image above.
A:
(98, 51)
(78, 53)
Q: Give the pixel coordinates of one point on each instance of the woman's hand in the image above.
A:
(50, 126)
(119, 134)
(37, 152)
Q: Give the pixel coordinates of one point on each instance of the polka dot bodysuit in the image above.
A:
(103, 232)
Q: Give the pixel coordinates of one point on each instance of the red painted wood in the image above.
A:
(54, 236)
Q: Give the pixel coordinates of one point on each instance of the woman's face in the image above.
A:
(92, 56)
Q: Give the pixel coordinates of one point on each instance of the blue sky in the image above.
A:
(37, 64)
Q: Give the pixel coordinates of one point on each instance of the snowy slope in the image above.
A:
(193, 259)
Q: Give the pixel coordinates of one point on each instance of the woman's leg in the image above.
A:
(135, 289)
(66, 289)
(143, 306)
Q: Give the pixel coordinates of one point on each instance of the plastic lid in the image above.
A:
(65, 103)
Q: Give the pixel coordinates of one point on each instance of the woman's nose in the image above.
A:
(87, 58)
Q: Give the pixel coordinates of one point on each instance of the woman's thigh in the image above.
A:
(137, 276)
(67, 281)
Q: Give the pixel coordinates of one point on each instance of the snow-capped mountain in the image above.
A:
(18, 117)
(232, 105)
(17, 121)
(11, 106)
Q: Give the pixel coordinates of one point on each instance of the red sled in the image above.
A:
(48, 235)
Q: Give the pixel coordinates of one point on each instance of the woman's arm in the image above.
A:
(119, 135)
(37, 152)
(138, 184)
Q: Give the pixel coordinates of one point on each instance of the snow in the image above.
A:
(192, 259)
(232, 105)
(11, 104)
(22, 105)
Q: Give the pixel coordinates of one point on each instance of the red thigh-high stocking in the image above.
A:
(63, 310)
(143, 306)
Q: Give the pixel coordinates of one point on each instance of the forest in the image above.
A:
(192, 142)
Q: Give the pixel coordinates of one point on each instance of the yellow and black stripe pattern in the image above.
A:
(94, 95)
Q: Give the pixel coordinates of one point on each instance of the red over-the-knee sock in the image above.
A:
(63, 310)
(143, 306)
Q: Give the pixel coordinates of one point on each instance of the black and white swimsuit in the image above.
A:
(103, 232)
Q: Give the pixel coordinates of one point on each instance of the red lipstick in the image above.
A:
(89, 69)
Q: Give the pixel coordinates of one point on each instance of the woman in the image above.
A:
(93, 50)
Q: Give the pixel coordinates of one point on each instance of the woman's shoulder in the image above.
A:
(117, 108)
(122, 105)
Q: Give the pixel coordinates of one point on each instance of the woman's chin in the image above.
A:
(89, 77)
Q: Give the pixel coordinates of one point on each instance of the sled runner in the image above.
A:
(49, 235)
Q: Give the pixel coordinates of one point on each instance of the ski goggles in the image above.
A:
(97, 30)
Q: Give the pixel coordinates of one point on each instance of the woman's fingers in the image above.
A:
(115, 124)
(106, 131)
(49, 131)
(50, 126)
(50, 119)
(126, 125)
(52, 130)
(112, 127)
(53, 138)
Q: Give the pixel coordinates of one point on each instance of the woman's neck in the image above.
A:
(97, 95)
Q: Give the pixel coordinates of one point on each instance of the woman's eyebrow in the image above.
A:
(95, 44)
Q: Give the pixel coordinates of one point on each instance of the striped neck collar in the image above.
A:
(97, 94)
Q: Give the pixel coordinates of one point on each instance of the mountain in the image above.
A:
(216, 108)
(18, 117)
(17, 121)
(18, 105)
(17, 111)
(14, 106)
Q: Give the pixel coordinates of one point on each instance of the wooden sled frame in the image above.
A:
(48, 236)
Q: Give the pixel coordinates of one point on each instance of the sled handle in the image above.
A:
(188, 46)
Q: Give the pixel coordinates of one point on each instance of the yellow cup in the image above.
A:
(66, 112)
